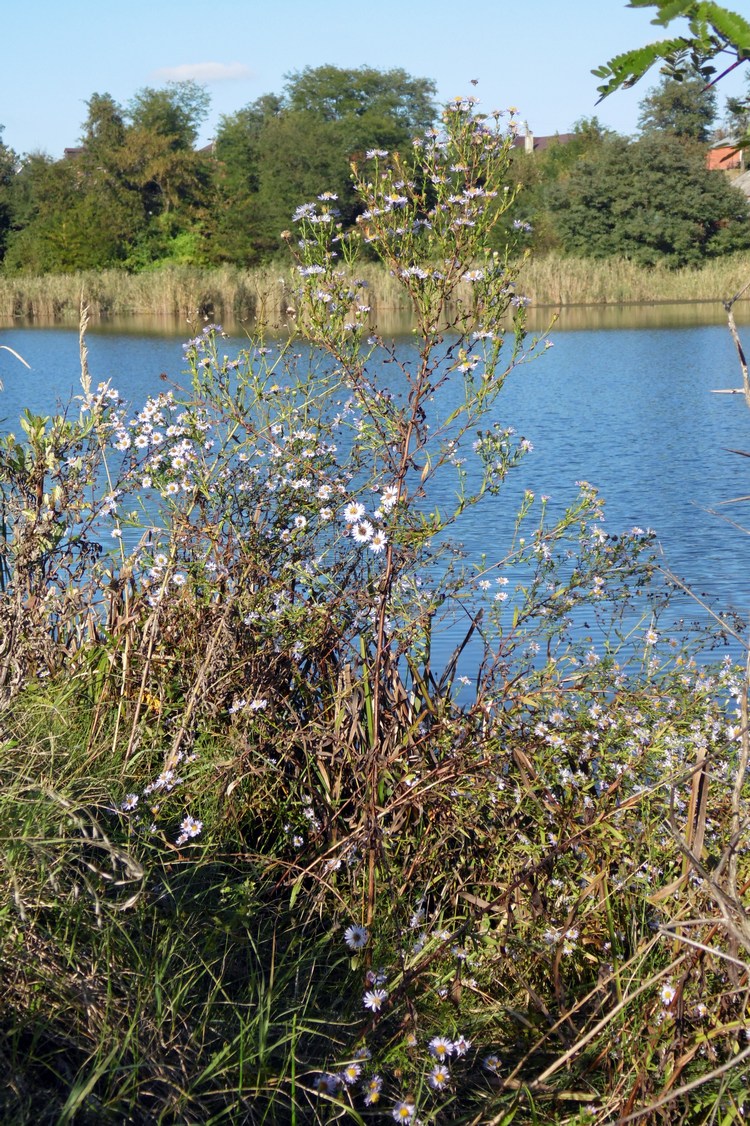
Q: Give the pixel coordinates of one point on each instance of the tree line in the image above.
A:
(137, 192)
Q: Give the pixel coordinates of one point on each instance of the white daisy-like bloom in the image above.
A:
(374, 999)
(326, 513)
(667, 994)
(461, 1045)
(130, 802)
(354, 512)
(440, 1047)
(351, 1073)
(388, 497)
(378, 542)
(191, 827)
(439, 1077)
(258, 704)
(403, 1112)
(300, 522)
(179, 579)
(363, 531)
(356, 936)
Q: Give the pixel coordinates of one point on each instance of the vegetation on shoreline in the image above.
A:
(136, 194)
(266, 862)
(232, 295)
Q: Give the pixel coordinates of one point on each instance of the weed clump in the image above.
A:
(270, 857)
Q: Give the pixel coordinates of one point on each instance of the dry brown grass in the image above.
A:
(232, 294)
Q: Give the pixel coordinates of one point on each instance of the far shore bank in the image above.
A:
(238, 296)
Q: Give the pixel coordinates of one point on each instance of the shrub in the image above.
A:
(268, 861)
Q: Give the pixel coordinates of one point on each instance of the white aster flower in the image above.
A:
(356, 936)
(191, 827)
(354, 512)
(374, 999)
(362, 532)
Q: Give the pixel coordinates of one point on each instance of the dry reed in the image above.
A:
(229, 293)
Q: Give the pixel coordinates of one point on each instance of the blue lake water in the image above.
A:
(628, 409)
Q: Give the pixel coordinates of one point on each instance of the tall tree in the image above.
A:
(651, 201)
(176, 111)
(683, 108)
(405, 105)
(159, 157)
(8, 169)
(279, 152)
(233, 226)
(104, 128)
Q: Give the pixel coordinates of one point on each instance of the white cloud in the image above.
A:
(203, 72)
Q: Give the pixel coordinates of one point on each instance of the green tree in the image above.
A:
(401, 105)
(8, 167)
(538, 172)
(236, 217)
(104, 128)
(176, 111)
(651, 200)
(50, 229)
(684, 108)
(280, 151)
(174, 181)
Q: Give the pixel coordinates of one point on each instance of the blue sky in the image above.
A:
(534, 54)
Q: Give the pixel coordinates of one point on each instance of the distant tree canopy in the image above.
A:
(137, 193)
(8, 162)
(651, 201)
(280, 151)
(685, 109)
(134, 188)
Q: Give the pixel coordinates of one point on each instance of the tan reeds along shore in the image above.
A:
(233, 294)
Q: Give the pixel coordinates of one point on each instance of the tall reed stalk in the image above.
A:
(234, 295)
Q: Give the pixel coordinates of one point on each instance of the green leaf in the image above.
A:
(671, 10)
(730, 25)
(626, 69)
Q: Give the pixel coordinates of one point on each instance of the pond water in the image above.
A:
(625, 403)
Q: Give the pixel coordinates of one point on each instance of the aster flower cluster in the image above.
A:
(156, 801)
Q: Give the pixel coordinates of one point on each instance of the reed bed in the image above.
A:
(555, 280)
(230, 293)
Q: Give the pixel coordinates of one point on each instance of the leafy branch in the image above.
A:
(712, 31)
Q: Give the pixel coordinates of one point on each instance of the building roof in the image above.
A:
(743, 183)
(529, 142)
